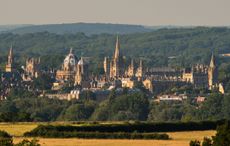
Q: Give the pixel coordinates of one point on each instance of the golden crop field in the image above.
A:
(178, 138)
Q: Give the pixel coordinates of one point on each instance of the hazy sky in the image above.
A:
(146, 12)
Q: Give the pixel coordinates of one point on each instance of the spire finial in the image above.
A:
(213, 61)
(132, 63)
(117, 49)
(141, 64)
(71, 50)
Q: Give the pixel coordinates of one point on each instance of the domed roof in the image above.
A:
(70, 59)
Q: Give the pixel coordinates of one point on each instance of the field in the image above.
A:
(178, 138)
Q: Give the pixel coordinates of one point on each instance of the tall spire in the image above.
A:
(213, 61)
(9, 65)
(10, 55)
(117, 49)
(71, 51)
(141, 64)
(132, 64)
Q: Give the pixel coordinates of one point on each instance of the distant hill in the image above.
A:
(87, 28)
(8, 28)
(177, 46)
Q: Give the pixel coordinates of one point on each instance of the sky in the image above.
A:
(143, 12)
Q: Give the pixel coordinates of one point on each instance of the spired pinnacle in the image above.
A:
(10, 55)
(117, 49)
(71, 50)
(141, 64)
(11, 50)
(213, 61)
(132, 63)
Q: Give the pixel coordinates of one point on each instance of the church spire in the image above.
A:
(213, 61)
(117, 49)
(132, 64)
(71, 51)
(9, 65)
(10, 55)
(141, 64)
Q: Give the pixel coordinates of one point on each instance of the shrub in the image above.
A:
(26, 142)
(5, 139)
(207, 142)
(194, 143)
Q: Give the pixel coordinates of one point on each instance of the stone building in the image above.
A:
(31, 69)
(196, 75)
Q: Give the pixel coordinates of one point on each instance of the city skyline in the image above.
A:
(145, 12)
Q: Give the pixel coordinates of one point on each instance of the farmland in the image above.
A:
(178, 138)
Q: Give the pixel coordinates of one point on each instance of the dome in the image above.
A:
(70, 59)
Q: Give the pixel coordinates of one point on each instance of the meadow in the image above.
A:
(178, 138)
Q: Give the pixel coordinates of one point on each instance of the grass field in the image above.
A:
(178, 138)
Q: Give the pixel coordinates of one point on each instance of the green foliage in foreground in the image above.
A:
(117, 129)
(222, 137)
(6, 140)
(105, 135)
(49, 131)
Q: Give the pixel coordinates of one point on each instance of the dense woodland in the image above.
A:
(188, 46)
(185, 46)
(24, 106)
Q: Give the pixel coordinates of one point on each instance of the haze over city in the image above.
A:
(144, 12)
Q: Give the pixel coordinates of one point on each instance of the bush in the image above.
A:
(104, 135)
(207, 142)
(26, 142)
(222, 137)
(194, 143)
(4, 134)
(126, 127)
(5, 139)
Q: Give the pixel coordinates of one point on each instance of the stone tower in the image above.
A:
(212, 73)
(10, 61)
(81, 76)
(32, 68)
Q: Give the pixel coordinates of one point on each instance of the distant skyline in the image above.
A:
(140, 12)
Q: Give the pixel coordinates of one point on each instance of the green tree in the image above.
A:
(79, 111)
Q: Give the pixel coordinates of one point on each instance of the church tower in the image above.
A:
(212, 73)
(32, 67)
(10, 61)
(117, 64)
(81, 76)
